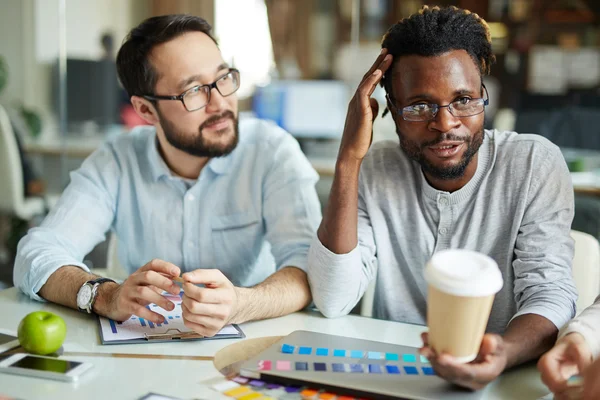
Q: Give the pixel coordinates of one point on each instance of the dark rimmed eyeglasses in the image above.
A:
(422, 112)
(198, 97)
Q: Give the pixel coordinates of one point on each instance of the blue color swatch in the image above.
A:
(428, 371)
(374, 355)
(322, 351)
(287, 349)
(339, 353)
(319, 366)
(356, 354)
(305, 350)
(301, 366)
(411, 370)
(374, 368)
(392, 369)
(356, 368)
(409, 358)
(337, 367)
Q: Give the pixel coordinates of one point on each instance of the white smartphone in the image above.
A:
(44, 367)
(8, 342)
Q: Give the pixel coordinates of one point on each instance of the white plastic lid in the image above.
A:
(464, 273)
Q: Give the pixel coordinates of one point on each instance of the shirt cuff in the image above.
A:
(41, 277)
(320, 256)
(297, 261)
(559, 317)
(584, 329)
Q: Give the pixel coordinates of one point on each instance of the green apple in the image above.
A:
(42, 332)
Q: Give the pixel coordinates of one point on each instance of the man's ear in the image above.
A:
(145, 109)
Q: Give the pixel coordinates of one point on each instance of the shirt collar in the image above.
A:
(159, 168)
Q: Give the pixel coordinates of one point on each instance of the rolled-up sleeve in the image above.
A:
(76, 224)
(338, 281)
(291, 208)
(544, 248)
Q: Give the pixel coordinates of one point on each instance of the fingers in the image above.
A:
(153, 278)
(370, 81)
(489, 364)
(549, 367)
(378, 61)
(205, 295)
(208, 277)
(206, 324)
(374, 108)
(582, 354)
(161, 266)
(201, 329)
(148, 315)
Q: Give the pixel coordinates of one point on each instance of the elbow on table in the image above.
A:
(331, 310)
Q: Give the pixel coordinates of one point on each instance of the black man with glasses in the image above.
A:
(229, 206)
(448, 183)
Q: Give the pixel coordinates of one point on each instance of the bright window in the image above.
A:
(242, 30)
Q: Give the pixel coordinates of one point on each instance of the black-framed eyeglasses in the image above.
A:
(198, 97)
(463, 107)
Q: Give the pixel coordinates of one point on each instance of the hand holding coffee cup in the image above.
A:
(462, 286)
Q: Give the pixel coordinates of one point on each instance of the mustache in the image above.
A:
(225, 115)
(445, 137)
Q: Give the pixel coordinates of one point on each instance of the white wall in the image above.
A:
(11, 48)
(29, 41)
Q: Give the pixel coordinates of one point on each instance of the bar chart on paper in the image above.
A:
(138, 328)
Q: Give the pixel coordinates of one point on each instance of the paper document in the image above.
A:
(136, 328)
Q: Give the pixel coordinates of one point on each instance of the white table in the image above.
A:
(130, 377)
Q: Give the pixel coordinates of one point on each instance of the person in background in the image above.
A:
(575, 353)
(231, 204)
(448, 184)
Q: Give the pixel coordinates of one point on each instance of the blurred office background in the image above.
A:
(300, 62)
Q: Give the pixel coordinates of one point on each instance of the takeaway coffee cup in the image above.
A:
(462, 285)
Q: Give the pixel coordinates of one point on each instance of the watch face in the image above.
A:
(84, 296)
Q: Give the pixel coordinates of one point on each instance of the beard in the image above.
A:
(196, 144)
(415, 152)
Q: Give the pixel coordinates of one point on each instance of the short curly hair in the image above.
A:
(433, 31)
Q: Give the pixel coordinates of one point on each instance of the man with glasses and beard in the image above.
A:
(449, 184)
(230, 204)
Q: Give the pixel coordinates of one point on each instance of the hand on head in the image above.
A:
(489, 364)
(570, 356)
(143, 287)
(362, 111)
(208, 309)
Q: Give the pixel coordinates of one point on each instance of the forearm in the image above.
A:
(282, 293)
(338, 230)
(528, 337)
(62, 287)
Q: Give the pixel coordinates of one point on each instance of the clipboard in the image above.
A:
(139, 330)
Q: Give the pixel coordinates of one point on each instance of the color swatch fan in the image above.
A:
(361, 368)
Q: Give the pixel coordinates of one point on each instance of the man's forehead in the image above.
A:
(190, 54)
(414, 70)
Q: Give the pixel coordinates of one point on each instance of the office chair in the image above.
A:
(12, 196)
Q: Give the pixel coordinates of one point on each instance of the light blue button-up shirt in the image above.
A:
(249, 213)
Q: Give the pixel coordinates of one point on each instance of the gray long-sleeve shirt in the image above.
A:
(517, 208)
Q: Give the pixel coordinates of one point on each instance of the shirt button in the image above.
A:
(443, 231)
(444, 201)
(190, 197)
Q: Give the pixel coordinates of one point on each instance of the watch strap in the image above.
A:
(95, 285)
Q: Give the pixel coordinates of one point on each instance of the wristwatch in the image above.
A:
(86, 296)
